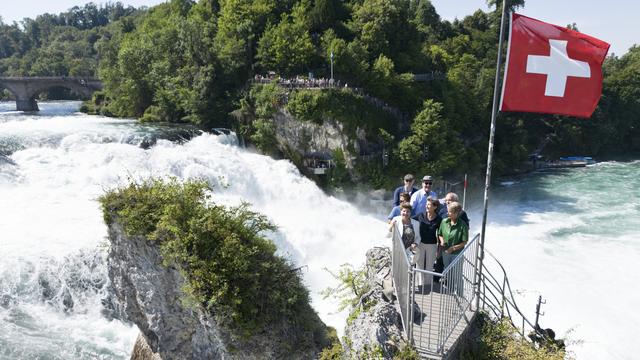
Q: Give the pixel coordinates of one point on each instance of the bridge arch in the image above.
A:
(25, 89)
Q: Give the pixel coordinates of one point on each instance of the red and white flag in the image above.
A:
(551, 69)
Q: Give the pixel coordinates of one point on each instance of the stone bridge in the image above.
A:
(25, 89)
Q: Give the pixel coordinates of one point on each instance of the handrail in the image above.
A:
(454, 291)
(437, 321)
(402, 272)
(507, 302)
(467, 246)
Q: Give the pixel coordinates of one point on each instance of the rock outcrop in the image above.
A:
(308, 137)
(149, 294)
(377, 326)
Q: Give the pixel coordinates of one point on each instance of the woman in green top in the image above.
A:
(453, 233)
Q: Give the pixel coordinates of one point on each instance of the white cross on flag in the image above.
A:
(551, 69)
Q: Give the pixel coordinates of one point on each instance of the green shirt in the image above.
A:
(453, 234)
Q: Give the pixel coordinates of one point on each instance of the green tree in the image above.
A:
(287, 47)
(432, 147)
(239, 23)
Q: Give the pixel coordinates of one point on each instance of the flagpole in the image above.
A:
(492, 132)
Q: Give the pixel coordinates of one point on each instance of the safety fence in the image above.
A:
(432, 304)
(444, 301)
(497, 300)
(436, 308)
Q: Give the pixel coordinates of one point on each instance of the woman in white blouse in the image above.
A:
(408, 228)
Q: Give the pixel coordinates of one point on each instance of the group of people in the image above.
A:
(429, 227)
(299, 81)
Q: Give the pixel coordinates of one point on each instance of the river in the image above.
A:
(571, 236)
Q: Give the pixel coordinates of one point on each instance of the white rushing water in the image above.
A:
(52, 271)
(572, 237)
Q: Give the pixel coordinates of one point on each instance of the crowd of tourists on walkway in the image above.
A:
(433, 231)
(302, 82)
(299, 81)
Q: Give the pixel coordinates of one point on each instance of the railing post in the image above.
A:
(410, 299)
(503, 300)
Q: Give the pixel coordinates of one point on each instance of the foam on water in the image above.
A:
(54, 169)
(573, 237)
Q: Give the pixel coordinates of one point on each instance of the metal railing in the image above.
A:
(402, 271)
(450, 300)
(433, 305)
(497, 300)
(431, 315)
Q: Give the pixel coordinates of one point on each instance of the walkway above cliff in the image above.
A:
(319, 84)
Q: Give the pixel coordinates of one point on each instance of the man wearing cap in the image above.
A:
(407, 188)
(419, 198)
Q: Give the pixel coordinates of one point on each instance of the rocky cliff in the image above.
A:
(149, 294)
(308, 137)
(375, 326)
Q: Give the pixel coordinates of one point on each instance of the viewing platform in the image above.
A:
(438, 317)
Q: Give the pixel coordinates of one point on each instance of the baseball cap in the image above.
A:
(408, 177)
(427, 178)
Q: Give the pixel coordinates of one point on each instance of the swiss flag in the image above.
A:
(551, 69)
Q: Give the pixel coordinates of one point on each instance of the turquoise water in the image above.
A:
(573, 236)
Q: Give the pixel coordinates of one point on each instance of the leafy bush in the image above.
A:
(334, 351)
(352, 284)
(266, 99)
(342, 105)
(499, 340)
(264, 135)
(228, 265)
(152, 114)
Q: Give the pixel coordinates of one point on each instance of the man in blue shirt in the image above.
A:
(406, 188)
(419, 198)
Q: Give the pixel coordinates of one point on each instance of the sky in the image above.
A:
(613, 21)
(32, 8)
(615, 24)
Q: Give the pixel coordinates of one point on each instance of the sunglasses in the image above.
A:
(408, 180)
(427, 182)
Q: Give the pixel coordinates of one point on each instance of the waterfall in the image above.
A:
(54, 297)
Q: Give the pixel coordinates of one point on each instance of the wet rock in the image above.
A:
(150, 296)
(46, 287)
(378, 324)
(6, 301)
(67, 300)
(111, 307)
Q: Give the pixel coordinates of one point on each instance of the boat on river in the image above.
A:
(538, 162)
(586, 159)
